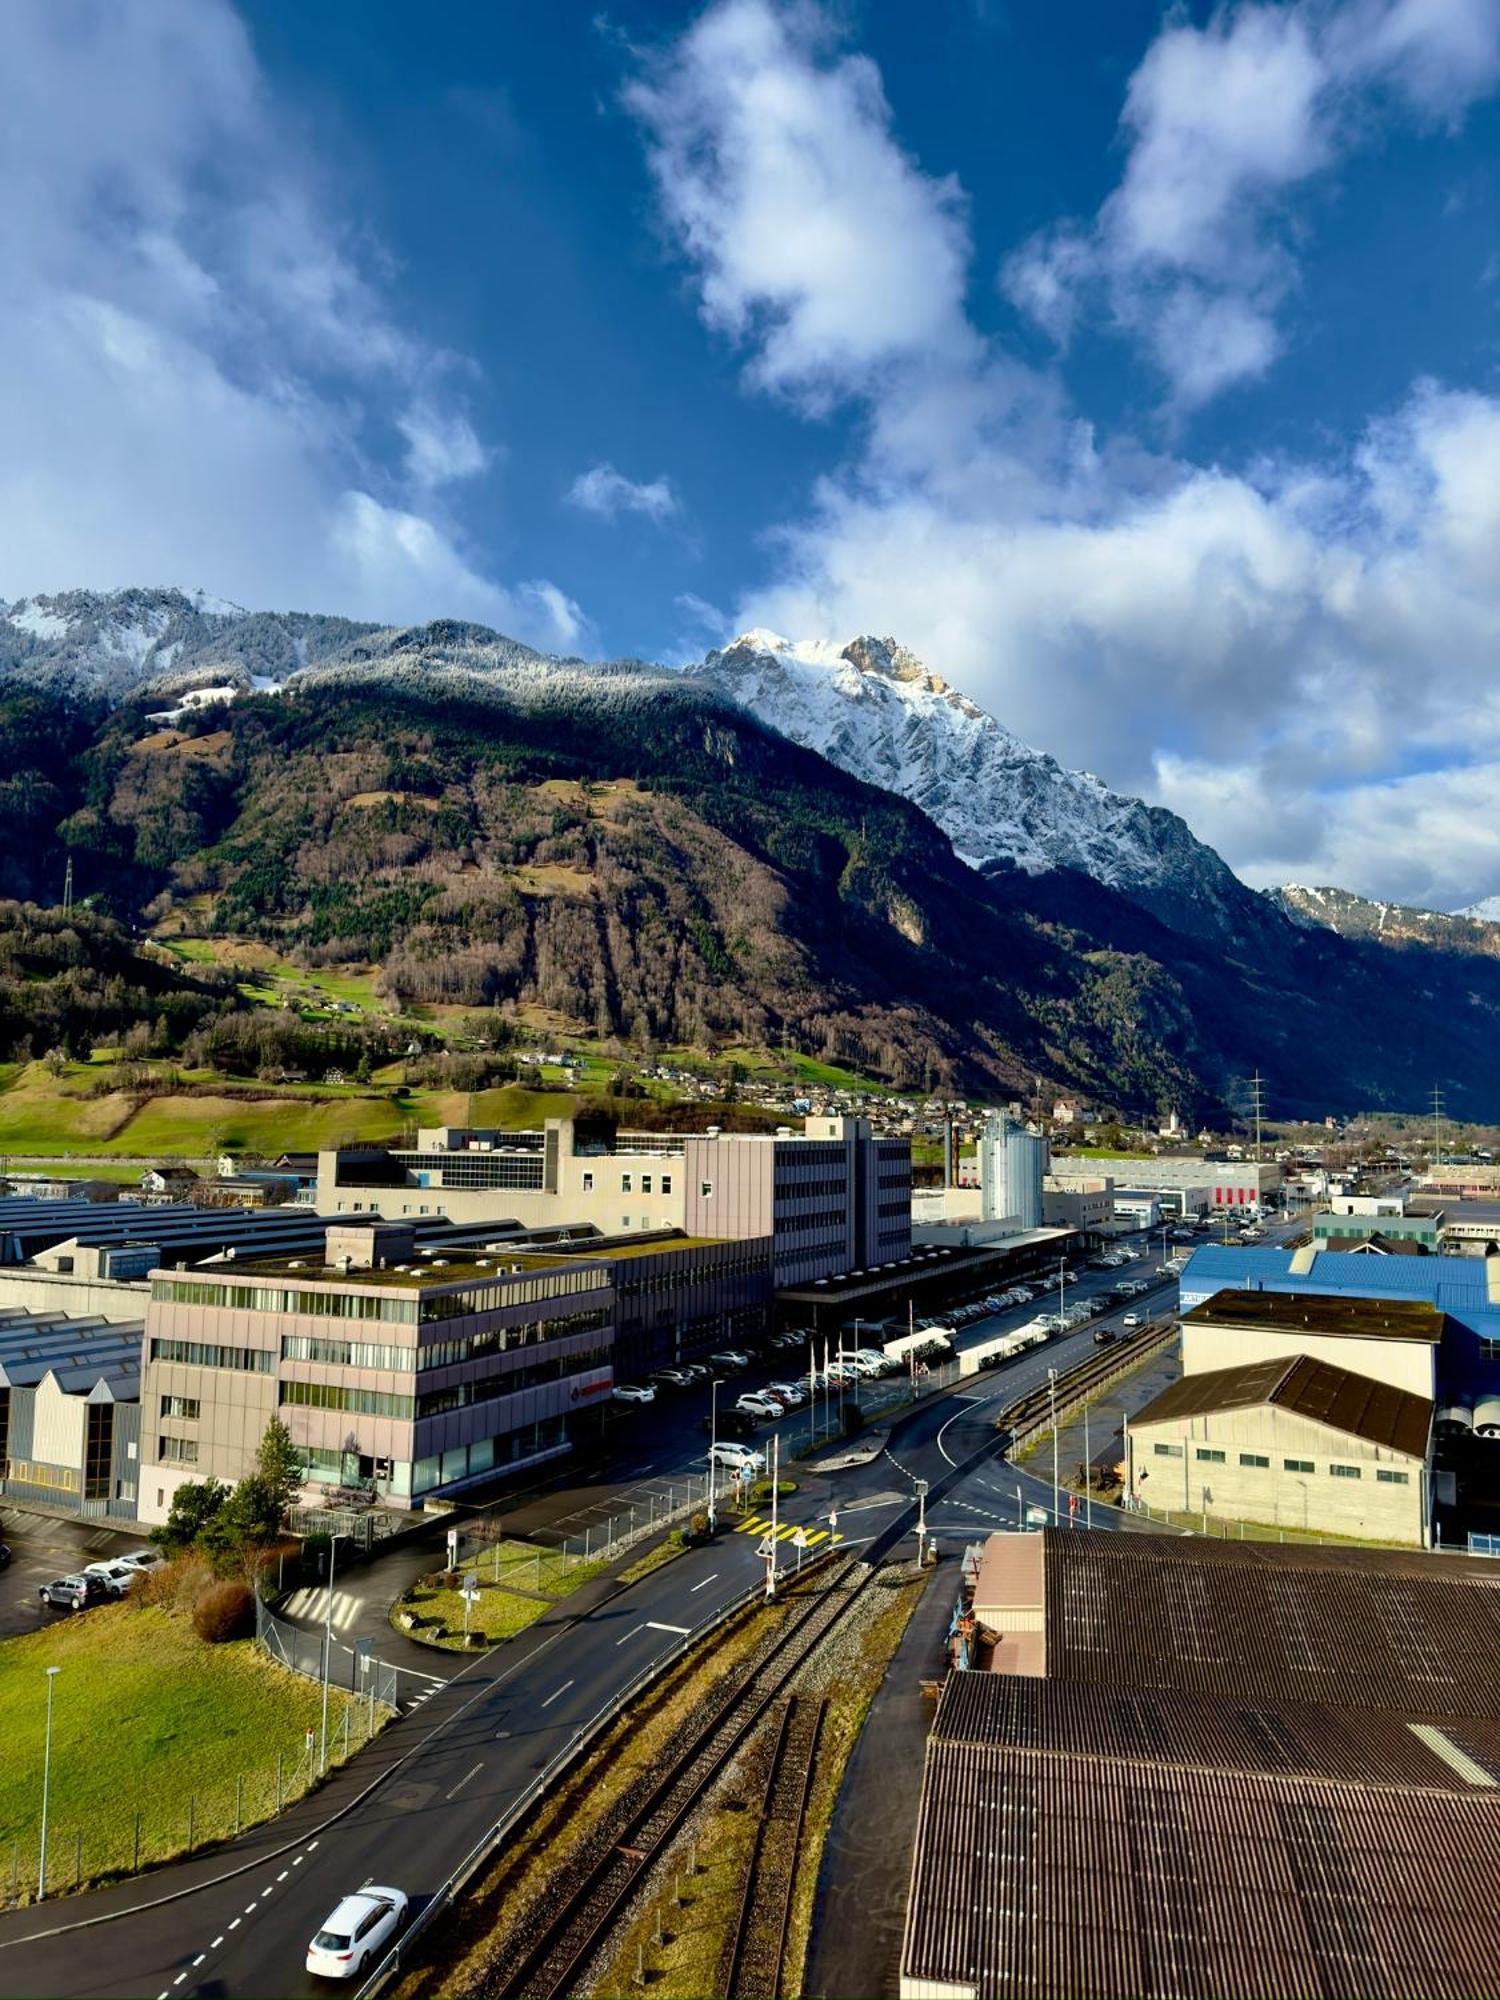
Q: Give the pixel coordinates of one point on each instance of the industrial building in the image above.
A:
(831, 1198)
(1289, 1443)
(1214, 1769)
(70, 1413)
(405, 1374)
(1185, 1186)
(1465, 1291)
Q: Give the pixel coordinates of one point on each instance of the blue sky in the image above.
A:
(1137, 367)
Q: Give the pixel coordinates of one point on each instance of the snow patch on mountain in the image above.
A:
(1485, 911)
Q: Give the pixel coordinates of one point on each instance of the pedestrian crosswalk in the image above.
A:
(755, 1524)
(311, 1604)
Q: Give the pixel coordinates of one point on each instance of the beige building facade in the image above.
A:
(403, 1375)
(1288, 1444)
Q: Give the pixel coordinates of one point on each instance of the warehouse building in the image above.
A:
(1289, 1443)
(70, 1413)
(1395, 1341)
(1465, 1291)
(1227, 1769)
(406, 1375)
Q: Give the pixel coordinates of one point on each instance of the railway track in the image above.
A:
(582, 1912)
(759, 1947)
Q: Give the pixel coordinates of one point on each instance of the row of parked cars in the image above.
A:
(688, 1374)
(100, 1583)
(1018, 1295)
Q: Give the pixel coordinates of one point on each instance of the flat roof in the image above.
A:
(420, 1273)
(1337, 1397)
(1343, 1315)
(923, 1262)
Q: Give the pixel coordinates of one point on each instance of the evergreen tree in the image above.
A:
(280, 1467)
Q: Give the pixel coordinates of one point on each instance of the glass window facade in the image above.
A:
(210, 1354)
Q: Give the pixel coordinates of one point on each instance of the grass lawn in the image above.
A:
(145, 1718)
(511, 1574)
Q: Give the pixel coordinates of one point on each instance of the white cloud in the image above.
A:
(603, 491)
(200, 375)
(817, 241)
(1294, 654)
(1191, 253)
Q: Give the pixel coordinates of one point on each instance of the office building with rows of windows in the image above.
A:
(831, 1198)
(408, 1374)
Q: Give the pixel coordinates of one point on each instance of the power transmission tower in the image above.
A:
(1257, 1108)
(68, 888)
(1439, 1105)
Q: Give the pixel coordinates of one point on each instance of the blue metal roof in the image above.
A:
(1458, 1286)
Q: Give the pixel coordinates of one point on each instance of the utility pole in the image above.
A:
(1056, 1490)
(1439, 1103)
(68, 888)
(333, 1541)
(41, 1880)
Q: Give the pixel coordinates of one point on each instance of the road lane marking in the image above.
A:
(630, 1634)
(236, 1924)
(179, 1979)
(217, 1942)
(681, 1630)
(555, 1693)
(465, 1779)
(297, 1862)
(705, 1583)
(199, 1959)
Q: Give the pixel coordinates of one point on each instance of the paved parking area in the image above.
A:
(42, 1549)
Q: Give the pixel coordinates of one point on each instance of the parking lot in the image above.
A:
(42, 1549)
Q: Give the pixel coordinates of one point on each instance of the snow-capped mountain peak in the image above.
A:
(871, 706)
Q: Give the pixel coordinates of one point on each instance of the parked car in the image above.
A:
(696, 1371)
(673, 1378)
(74, 1593)
(759, 1406)
(144, 1559)
(633, 1392)
(356, 1933)
(117, 1574)
(729, 1362)
(4, 1555)
(794, 1393)
(727, 1452)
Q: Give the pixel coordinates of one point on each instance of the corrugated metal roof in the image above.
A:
(78, 1352)
(1266, 1621)
(1043, 1875)
(1454, 1285)
(1337, 1397)
(1170, 1817)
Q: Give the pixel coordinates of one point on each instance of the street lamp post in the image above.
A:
(921, 1522)
(1056, 1490)
(333, 1542)
(713, 1463)
(41, 1882)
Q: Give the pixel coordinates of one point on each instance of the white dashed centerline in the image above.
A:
(705, 1583)
(630, 1634)
(464, 1780)
(555, 1693)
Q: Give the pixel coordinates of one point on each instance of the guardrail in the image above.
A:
(1035, 1410)
(301, 1652)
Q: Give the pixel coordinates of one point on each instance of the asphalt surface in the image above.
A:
(407, 1812)
(43, 1549)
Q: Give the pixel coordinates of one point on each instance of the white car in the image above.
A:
(357, 1933)
(143, 1559)
(117, 1573)
(794, 1392)
(759, 1406)
(727, 1452)
(632, 1392)
(1131, 1319)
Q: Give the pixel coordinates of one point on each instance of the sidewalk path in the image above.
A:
(860, 1909)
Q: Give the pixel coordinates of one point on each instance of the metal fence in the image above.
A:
(129, 1831)
(374, 1684)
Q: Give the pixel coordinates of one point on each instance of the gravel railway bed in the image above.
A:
(757, 1953)
(557, 1943)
